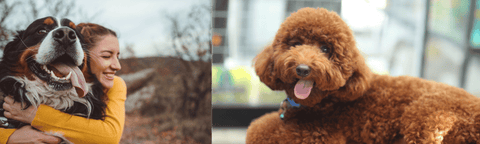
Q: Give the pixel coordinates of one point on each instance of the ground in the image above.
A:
(167, 101)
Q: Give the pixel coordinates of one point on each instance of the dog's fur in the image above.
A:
(348, 103)
(22, 74)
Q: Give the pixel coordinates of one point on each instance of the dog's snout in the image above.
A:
(71, 35)
(58, 34)
(303, 70)
(64, 36)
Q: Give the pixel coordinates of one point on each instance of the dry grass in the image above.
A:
(166, 116)
(145, 129)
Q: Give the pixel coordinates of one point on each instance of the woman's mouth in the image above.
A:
(109, 76)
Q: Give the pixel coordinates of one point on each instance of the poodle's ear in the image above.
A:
(263, 64)
(357, 84)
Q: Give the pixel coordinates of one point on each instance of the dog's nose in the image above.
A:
(303, 70)
(64, 36)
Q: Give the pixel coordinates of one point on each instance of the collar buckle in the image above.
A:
(286, 104)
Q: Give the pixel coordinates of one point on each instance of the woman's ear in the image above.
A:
(263, 64)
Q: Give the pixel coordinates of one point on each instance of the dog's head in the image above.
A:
(48, 50)
(314, 56)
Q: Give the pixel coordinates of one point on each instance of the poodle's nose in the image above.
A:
(303, 70)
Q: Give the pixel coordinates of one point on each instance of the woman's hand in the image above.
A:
(13, 110)
(27, 134)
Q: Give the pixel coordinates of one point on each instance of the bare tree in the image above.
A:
(191, 41)
(190, 34)
(6, 12)
(57, 7)
(130, 53)
(194, 37)
(31, 10)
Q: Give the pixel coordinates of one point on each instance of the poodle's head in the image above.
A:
(314, 56)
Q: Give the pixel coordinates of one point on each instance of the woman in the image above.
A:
(103, 48)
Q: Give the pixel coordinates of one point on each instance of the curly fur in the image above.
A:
(348, 103)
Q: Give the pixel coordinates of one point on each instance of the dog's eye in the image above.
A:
(325, 49)
(42, 31)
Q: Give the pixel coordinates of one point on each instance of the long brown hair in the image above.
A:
(92, 33)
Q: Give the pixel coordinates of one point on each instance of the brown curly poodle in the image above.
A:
(333, 97)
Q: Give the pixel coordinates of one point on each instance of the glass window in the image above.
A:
(443, 61)
(221, 5)
(475, 38)
(449, 18)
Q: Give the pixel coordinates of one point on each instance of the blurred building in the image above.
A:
(219, 24)
(453, 44)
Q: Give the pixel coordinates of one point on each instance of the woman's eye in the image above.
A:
(42, 31)
(325, 49)
(106, 56)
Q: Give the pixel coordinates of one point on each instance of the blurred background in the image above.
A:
(165, 57)
(432, 39)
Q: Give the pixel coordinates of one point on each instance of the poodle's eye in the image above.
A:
(42, 31)
(296, 44)
(325, 49)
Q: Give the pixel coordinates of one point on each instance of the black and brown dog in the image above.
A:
(46, 64)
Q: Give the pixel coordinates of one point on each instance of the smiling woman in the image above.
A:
(102, 63)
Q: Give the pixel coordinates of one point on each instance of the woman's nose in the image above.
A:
(116, 65)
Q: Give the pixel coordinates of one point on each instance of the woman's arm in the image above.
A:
(25, 134)
(82, 130)
(4, 134)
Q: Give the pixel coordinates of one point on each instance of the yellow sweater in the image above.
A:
(79, 129)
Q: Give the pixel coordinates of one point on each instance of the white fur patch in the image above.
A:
(39, 92)
(79, 53)
(46, 49)
(439, 135)
(58, 21)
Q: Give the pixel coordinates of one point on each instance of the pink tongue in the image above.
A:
(77, 78)
(303, 88)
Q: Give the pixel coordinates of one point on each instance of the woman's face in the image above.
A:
(104, 60)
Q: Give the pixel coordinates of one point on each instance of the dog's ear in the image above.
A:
(13, 49)
(263, 64)
(21, 34)
(16, 40)
(357, 84)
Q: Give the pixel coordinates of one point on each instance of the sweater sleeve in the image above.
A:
(4, 134)
(82, 130)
